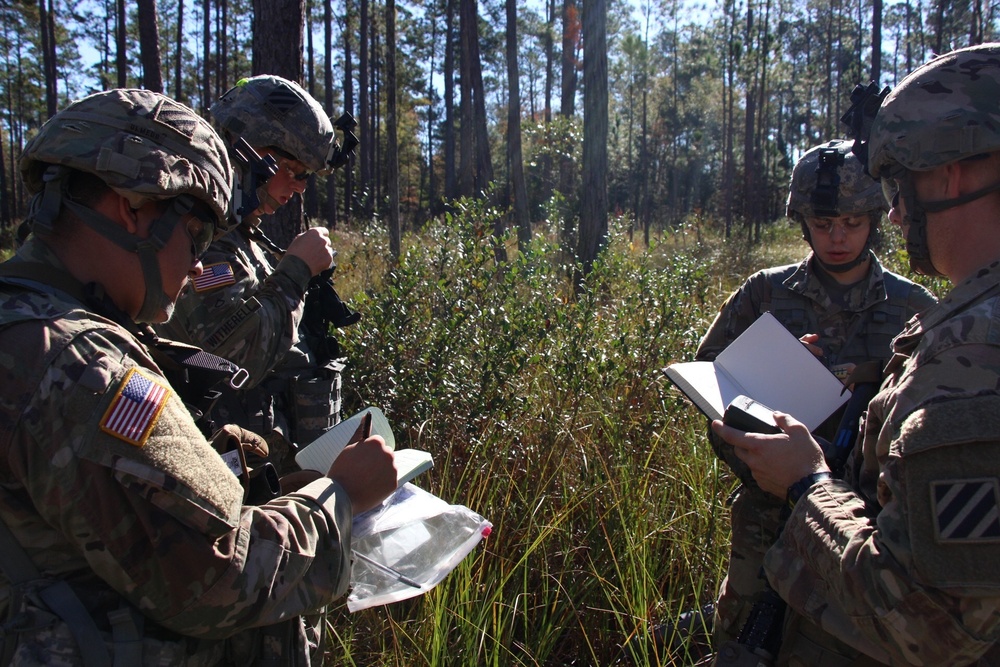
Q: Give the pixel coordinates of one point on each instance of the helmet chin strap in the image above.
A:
(265, 198)
(916, 231)
(155, 300)
(862, 257)
(916, 220)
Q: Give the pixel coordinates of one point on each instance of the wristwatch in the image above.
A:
(796, 490)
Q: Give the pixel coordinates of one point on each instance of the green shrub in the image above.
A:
(549, 415)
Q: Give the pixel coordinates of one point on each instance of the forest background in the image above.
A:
(548, 205)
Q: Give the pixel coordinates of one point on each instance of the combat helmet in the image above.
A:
(944, 111)
(144, 146)
(829, 181)
(270, 111)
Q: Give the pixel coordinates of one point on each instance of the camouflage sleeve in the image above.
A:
(250, 318)
(127, 488)
(920, 300)
(739, 311)
(919, 580)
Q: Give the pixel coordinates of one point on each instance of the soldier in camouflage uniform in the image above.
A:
(247, 305)
(840, 301)
(123, 534)
(898, 563)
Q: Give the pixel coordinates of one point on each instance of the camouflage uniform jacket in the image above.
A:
(244, 307)
(913, 576)
(107, 483)
(877, 308)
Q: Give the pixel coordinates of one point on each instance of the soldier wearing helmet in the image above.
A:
(248, 305)
(840, 302)
(898, 563)
(123, 533)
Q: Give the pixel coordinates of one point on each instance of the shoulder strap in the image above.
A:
(58, 596)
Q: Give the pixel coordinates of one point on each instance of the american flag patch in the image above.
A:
(214, 275)
(135, 408)
(967, 510)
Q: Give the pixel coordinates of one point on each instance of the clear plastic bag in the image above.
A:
(407, 545)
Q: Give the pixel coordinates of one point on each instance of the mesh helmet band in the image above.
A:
(54, 197)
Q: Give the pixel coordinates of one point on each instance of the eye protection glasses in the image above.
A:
(200, 227)
(827, 225)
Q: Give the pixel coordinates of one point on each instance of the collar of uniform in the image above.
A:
(983, 284)
(862, 296)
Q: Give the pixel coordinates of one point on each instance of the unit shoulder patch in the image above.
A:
(966, 510)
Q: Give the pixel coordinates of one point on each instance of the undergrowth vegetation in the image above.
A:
(549, 415)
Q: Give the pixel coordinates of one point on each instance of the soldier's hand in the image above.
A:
(367, 472)
(313, 247)
(255, 449)
(776, 461)
(809, 341)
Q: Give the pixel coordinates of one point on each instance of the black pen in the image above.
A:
(385, 569)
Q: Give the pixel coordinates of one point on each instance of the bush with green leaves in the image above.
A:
(547, 413)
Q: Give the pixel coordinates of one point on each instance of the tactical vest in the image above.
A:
(869, 336)
(49, 620)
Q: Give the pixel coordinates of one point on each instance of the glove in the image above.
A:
(231, 436)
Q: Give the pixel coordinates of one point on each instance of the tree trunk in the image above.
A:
(550, 20)
(178, 81)
(431, 89)
(546, 167)
(310, 198)
(5, 218)
(331, 179)
(149, 46)
(450, 177)
(121, 62)
(277, 49)
(367, 148)
(206, 55)
(466, 155)
(517, 184)
(976, 27)
(594, 195)
(222, 11)
(45, 24)
(876, 41)
(349, 108)
(391, 148)
(484, 162)
(571, 34)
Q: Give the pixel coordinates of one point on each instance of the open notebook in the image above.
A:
(320, 454)
(767, 363)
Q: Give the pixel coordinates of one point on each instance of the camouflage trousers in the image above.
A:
(42, 638)
(755, 518)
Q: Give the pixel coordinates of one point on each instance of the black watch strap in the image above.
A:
(796, 490)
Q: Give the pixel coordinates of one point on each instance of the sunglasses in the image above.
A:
(298, 176)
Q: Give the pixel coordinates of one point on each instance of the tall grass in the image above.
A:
(548, 415)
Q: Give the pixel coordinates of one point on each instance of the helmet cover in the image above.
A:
(271, 111)
(829, 181)
(143, 145)
(943, 111)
